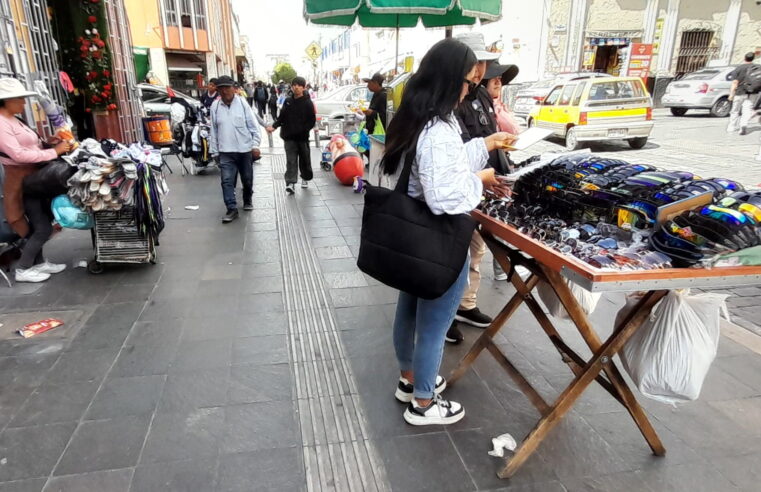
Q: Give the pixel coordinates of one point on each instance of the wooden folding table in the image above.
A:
(548, 265)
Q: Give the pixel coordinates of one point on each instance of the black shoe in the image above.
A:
(230, 216)
(454, 335)
(248, 207)
(473, 317)
(290, 189)
(743, 131)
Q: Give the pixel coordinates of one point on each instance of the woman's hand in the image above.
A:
(488, 178)
(500, 140)
(62, 148)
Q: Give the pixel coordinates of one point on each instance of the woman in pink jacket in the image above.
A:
(496, 77)
(20, 153)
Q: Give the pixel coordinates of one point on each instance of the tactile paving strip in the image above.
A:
(338, 454)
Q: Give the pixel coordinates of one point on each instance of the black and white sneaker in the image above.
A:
(473, 317)
(454, 335)
(290, 189)
(405, 389)
(438, 412)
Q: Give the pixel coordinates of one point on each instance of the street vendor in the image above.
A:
(21, 152)
(477, 120)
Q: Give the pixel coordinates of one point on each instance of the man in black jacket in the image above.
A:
(297, 118)
(260, 97)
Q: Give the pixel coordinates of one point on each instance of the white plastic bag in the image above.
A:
(669, 356)
(587, 300)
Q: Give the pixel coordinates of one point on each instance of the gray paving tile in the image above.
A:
(203, 354)
(442, 470)
(694, 477)
(26, 370)
(745, 412)
(100, 481)
(259, 324)
(262, 285)
(184, 436)
(178, 476)
(209, 328)
(265, 470)
(139, 292)
(338, 265)
(745, 368)
(321, 242)
(155, 333)
(553, 486)
(214, 306)
(342, 280)
(166, 309)
(255, 426)
(261, 350)
(120, 397)
(742, 471)
(31, 452)
(144, 360)
(260, 303)
(261, 270)
(362, 318)
(361, 343)
(363, 296)
(88, 365)
(53, 403)
(31, 485)
(11, 398)
(630, 480)
(184, 392)
(104, 445)
(250, 383)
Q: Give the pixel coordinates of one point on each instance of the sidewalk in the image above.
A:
(255, 356)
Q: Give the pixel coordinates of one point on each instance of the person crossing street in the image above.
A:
(234, 142)
(742, 94)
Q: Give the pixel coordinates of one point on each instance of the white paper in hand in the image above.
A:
(530, 137)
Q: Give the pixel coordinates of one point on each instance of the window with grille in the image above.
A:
(171, 13)
(695, 50)
(200, 8)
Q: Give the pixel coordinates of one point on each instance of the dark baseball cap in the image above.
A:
(213, 80)
(377, 78)
(225, 81)
(506, 72)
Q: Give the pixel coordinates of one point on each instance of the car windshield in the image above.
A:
(701, 75)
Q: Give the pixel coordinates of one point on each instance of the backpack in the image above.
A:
(753, 79)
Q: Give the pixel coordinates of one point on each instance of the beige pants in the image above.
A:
(477, 252)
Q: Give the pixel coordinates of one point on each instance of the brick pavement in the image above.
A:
(255, 356)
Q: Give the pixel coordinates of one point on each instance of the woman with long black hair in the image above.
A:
(450, 177)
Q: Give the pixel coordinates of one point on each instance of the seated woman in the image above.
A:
(20, 153)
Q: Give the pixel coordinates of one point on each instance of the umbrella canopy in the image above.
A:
(401, 13)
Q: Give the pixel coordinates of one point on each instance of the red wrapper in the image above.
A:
(33, 329)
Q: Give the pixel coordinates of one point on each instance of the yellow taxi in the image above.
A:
(595, 109)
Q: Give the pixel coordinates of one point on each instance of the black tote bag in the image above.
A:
(405, 246)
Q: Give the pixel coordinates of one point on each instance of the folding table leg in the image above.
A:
(572, 393)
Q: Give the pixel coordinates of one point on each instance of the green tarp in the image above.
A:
(401, 13)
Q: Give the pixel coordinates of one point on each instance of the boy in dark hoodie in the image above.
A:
(297, 118)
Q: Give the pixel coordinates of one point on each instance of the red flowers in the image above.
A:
(92, 19)
(106, 73)
(88, 110)
(111, 107)
(94, 1)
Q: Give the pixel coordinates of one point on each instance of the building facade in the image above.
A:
(184, 42)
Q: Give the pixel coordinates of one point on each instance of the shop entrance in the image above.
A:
(607, 60)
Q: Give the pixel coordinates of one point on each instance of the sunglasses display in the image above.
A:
(605, 212)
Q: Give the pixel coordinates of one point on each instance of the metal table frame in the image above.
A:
(551, 266)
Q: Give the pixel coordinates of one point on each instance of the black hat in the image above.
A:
(213, 80)
(225, 81)
(377, 78)
(508, 72)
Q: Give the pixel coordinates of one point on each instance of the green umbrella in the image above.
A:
(401, 13)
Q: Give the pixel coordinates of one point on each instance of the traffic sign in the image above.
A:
(313, 50)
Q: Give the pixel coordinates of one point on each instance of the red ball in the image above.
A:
(347, 167)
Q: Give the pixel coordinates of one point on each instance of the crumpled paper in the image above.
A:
(502, 443)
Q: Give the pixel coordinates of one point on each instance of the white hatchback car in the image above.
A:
(705, 89)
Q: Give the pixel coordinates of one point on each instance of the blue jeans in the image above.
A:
(230, 164)
(419, 330)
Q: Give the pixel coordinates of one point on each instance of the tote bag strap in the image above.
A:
(404, 177)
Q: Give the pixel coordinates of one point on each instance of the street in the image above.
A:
(255, 356)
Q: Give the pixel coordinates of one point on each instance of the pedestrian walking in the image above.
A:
(211, 94)
(260, 98)
(273, 102)
(743, 94)
(250, 94)
(297, 118)
(234, 142)
(449, 176)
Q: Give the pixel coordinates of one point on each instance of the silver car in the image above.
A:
(337, 104)
(156, 101)
(527, 98)
(704, 89)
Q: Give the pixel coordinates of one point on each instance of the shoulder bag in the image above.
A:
(407, 247)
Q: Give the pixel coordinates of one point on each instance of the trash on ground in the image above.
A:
(33, 329)
(81, 264)
(501, 443)
(192, 207)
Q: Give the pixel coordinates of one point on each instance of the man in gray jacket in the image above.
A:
(234, 141)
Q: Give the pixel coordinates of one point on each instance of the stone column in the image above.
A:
(651, 15)
(576, 24)
(729, 33)
(668, 40)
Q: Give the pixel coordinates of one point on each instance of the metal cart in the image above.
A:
(116, 239)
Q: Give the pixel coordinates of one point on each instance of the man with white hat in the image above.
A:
(477, 119)
(21, 151)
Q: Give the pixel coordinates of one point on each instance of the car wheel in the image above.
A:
(531, 123)
(721, 108)
(571, 140)
(678, 111)
(637, 143)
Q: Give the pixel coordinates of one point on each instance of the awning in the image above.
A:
(178, 63)
(615, 34)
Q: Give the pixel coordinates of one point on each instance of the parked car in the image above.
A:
(593, 109)
(156, 99)
(336, 104)
(705, 89)
(527, 98)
